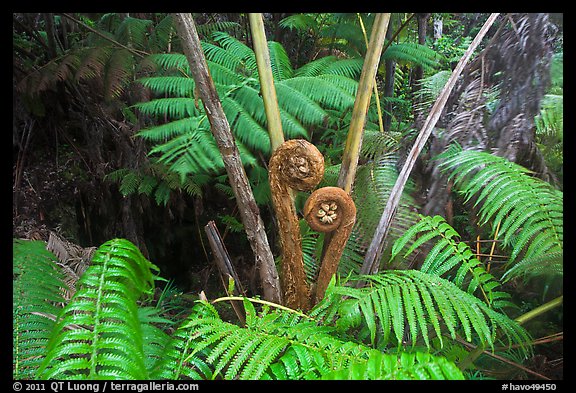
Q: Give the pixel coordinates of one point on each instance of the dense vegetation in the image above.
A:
(117, 176)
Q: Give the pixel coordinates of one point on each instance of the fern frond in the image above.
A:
(162, 35)
(374, 181)
(175, 86)
(279, 61)
(449, 255)
(170, 61)
(396, 297)
(507, 194)
(246, 128)
(315, 67)
(99, 334)
(276, 344)
(93, 62)
(37, 293)
(173, 108)
(299, 105)
(238, 49)
(550, 264)
(300, 22)
(405, 366)
(413, 53)
(322, 91)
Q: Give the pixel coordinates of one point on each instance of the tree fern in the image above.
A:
(396, 300)
(448, 255)
(304, 102)
(37, 295)
(98, 334)
(530, 211)
(275, 344)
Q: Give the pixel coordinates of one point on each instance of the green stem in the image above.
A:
(271, 304)
(540, 310)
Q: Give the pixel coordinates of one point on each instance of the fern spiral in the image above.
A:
(330, 209)
(296, 164)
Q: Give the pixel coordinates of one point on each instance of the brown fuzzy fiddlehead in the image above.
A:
(330, 209)
(296, 164)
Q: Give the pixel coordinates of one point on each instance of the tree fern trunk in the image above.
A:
(249, 211)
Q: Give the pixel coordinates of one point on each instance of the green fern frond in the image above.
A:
(405, 366)
(322, 91)
(373, 183)
(207, 29)
(413, 53)
(275, 344)
(529, 210)
(155, 338)
(174, 86)
(99, 334)
(170, 61)
(162, 35)
(173, 108)
(395, 298)
(449, 255)
(299, 22)
(37, 292)
(247, 129)
(238, 49)
(550, 264)
(299, 105)
(279, 62)
(315, 67)
(182, 359)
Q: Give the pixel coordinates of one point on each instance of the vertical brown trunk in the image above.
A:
(248, 209)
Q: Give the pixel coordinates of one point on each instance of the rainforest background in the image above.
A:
(113, 157)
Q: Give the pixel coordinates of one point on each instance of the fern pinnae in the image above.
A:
(117, 277)
(299, 105)
(177, 86)
(38, 287)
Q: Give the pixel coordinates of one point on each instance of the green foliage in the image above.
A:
(406, 366)
(399, 306)
(419, 55)
(99, 333)
(529, 210)
(451, 256)
(155, 181)
(108, 331)
(184, 142)
(37, 294)
(275, 344)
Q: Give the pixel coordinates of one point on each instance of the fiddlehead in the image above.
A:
(330, 209)
(296, 164)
